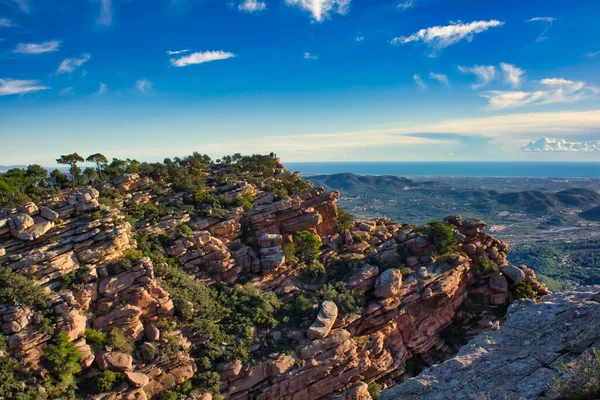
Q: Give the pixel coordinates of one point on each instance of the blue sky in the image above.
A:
(312, 80)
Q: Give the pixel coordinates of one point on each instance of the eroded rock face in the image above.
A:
(324, 322)
(519, 360)
(389, 283)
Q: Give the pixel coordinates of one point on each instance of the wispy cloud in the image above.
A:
(560, 145)
(419, 81)
(201, 57)
(5, 23)
(101, 89)
(439, 37)
(252, 6)
(404, 5)
(308, 56)
(66, 91)
(15, 86)
(22, 5)
(69, 65)
(550, 91)
(34, 48)
(512, 74)
(548, 24)
(485, 74)
(320, 9)
(592, 54)
(441, 78)
(359, 38)
(174, 52)
(144, 86)
(106, 12)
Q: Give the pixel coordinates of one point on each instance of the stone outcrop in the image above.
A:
(73, 246)
(519, 360)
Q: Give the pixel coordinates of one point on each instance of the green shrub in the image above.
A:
(374, 390)
(96, 215)
(21, 291)
(404, 271)
(62, 358)
(582, 381)
(118, 342)
(96, 338)
(308, 245)
(185, 232)
(246, 201)
(289, 251)
(106, 381)
(523, 290)
(313, 271)
(209, 381)
(347, 301)
(126, 262)
(294, 312)
(13, 386)
(483, 265)
(441, 236)
(169, 395)
(345, 220)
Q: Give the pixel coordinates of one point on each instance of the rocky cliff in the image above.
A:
(308, 304)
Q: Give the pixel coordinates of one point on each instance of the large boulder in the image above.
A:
(324, 322)
(389, 283)
(513, 273)
(20, 222)
(114, 361)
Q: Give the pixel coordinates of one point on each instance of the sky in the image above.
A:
(311, 80)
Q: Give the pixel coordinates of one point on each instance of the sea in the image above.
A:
(454, 169)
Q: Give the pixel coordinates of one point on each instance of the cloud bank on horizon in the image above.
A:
(322, 79)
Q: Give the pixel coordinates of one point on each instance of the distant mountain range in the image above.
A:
(530, 201)
(4, 168)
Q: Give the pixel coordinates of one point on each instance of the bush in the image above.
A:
(118, 342)
(246, 201)
(126, 262)
(523, 290)
(289, 251)
(484, 265)
(21, 291)
(441, 236)
(62, 358)
(347, 301)
(345, 220)
(583, 378)
(308, 245)
(96, 215)
(313, 271)
(96, 338)
(374, 390)
(106, 381)
(185, 232)
(169, 395)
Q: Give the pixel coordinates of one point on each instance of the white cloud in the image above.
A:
(69, 65)
(419, 81)
(405, 4)
(308, 56)
(67, 90)
(15, 86)
(512, 74)
(34, 48)
(174, 52)
(443, 79)
(5, 23)
(102, 89)
(22, 5)
(201, 57)
(359, 38)
(548, 21)
(543, 19)
(439, 37)
(144, 86)
(320, 9)
(252, 6)
(547, 145)
(551, 91)
(105, 17)
(592, 54)
(485, 74)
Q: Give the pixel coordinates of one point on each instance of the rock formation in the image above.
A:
(405, 294)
